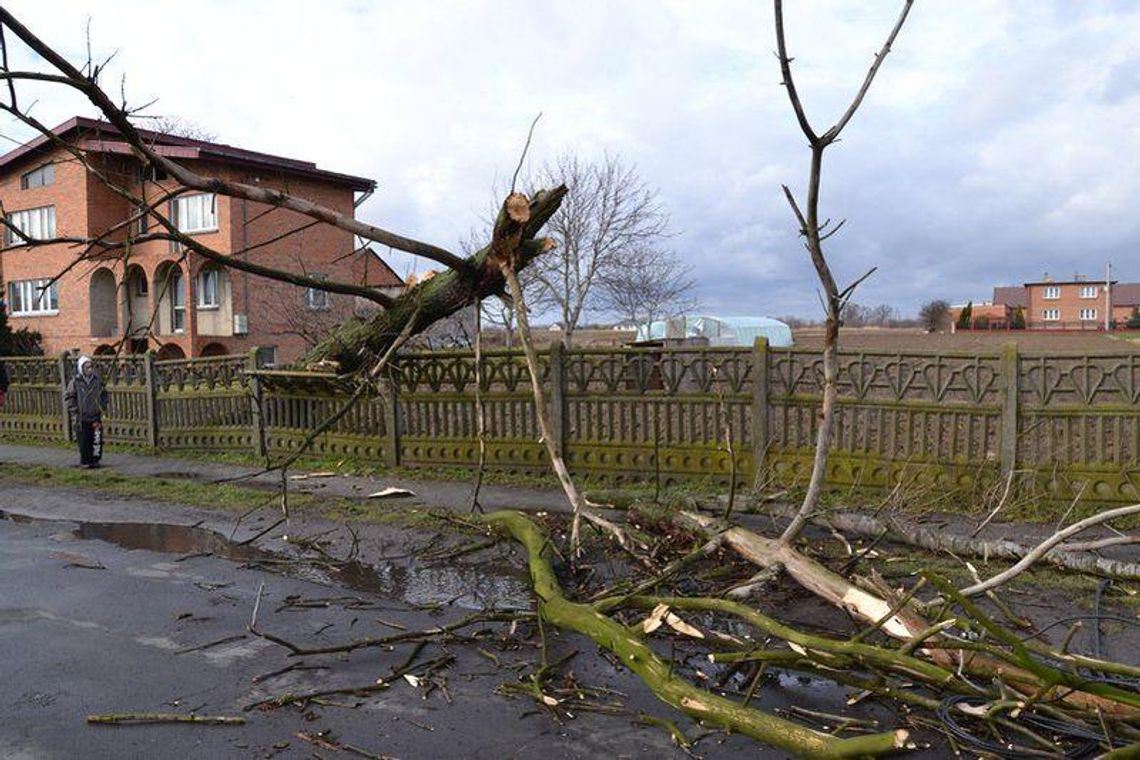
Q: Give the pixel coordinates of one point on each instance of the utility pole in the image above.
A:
(1108, 296)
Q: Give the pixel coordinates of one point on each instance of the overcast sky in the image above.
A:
(1000, 141)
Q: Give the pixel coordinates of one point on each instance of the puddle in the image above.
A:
(176, 539)
(463, 586)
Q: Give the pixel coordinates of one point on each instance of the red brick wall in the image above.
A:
(1069, 304)
(84, 206)
(71, 326)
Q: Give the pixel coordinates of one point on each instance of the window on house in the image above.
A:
(1051, 292)
(315, 298)
(36, 223)
(1089, 291)
(208, 289)
(29, 297)
(1088, 314)
(142, 223)
(195, 213)
(41, 177)
(177, 303)
(1051, 315)
(267, 357)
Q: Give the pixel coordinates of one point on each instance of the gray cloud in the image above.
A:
(1000, 141)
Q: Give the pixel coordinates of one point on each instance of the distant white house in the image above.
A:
(718, 331)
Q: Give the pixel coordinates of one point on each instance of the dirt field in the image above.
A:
(912, 339)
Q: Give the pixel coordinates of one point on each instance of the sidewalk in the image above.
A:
(454, 495)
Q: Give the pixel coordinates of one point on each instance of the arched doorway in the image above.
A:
(214, 349)
(170, 351)
(102, 303)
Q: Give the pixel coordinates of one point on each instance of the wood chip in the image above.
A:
(390, 492)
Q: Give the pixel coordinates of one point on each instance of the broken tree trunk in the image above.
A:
(1068, 556)
(658, 674)
(356, 342)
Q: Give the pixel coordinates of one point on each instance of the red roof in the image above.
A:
(1011, 295)
(101, 136)
(1126, 294)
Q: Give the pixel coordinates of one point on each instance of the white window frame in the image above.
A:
(209, 282)
(37, 223)
(1051, 292)
(1090, 291)
(177, 291)
(1051, 315)
(41, 176)
(1087, 315)
(32, 298)
(317, 299)
(195, 213)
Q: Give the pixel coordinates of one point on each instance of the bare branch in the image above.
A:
(786, 71)
(119, 118)
(833, 133)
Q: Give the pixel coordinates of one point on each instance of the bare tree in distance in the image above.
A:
(607, 215)
(815, 233)
(652, 283)
(934, 315)
(180, 126)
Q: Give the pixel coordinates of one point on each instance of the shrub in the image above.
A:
(964, 317)
(1018, 322)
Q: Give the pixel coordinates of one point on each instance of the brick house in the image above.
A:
(157, 296)
(1047, 304)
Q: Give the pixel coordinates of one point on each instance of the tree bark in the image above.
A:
(356, 343)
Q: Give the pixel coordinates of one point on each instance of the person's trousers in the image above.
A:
(90, 438)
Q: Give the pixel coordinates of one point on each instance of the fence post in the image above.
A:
(557, 398)
(151, 378)
(257, 405)
(759, 408)
(1011, 368)
(391, 400)
(62, 363)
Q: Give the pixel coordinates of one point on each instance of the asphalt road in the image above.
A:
(90, 626)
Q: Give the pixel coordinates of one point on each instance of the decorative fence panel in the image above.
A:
(1062, 426)
(33, 408)
(1079, 427)
(292, 405)
(437, 411)
(643, 413)
(922, 420)
(204, 404)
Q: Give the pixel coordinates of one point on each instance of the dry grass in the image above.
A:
(913, 339)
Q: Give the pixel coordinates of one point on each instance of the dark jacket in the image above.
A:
(86, 397)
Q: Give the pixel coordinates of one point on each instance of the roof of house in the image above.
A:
(1123, 293)
(1126, 294)
(103, 137)
(385, 276)
(1011, 295)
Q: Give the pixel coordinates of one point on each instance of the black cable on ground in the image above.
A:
(1090, 740)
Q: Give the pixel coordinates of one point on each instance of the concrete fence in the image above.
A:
(1063, 425)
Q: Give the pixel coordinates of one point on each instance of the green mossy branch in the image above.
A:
(658, 674)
